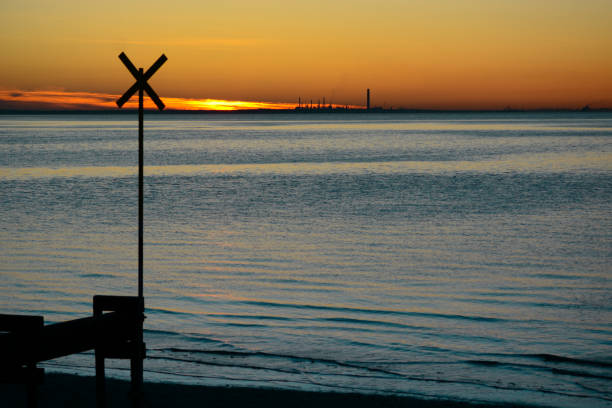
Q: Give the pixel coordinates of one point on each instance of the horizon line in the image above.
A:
(15, 100)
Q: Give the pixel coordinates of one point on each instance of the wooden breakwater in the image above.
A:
(113, 331)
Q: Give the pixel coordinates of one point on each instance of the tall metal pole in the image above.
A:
(140, 181)
(136, 361)
(138, 351)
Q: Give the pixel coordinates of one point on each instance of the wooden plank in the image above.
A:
(21, 330)
(153, 96)
(21, 375)
(117, 334)
(124, 350)
(65, 338)
(153, 68)
(128, 64)
(14, 323)
(105, 303)
(128, 94)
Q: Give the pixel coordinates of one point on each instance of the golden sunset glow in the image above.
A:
(93, 101)
(436, 54)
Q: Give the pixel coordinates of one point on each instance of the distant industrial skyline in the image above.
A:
(438, 54)
(88, 101)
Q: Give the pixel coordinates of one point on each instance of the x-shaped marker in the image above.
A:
(141, 80)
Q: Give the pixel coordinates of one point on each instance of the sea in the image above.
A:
(460, 256)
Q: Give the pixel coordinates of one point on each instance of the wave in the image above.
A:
(569, 360)
(327, 385)
(242, 324)
(167, 311)
(382, 326)
(554, 370)
(255, 317)
(346, 310)
(371, 322)
(98, 275)
(162, 332)
(372, 311)
(274, 355)
(338, 363)
(239, 359)
(365, 365)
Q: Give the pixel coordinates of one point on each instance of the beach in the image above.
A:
(65, 390)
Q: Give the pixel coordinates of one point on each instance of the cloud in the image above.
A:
(62, 100)
(209, 42)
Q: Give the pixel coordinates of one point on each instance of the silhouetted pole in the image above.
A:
(136, 363)
(368, 99)
(140, 183)
(140, 85)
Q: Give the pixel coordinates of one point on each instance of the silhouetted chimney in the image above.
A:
(368, 104)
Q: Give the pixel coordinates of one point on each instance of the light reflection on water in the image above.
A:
(548, 162)
(412, 245)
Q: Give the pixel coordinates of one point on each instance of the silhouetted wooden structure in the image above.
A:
(115, 330)
(17, 362)
(26, 341)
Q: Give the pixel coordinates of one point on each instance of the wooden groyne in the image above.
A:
(113, 331)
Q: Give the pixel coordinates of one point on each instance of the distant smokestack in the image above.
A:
(368, 104)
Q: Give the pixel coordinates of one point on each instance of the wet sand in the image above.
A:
(62, 390)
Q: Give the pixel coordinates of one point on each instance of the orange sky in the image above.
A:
(442, 54)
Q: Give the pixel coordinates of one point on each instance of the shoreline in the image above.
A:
(70, 390)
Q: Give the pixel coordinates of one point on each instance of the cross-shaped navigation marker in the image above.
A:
(141, 81)
(141, 86)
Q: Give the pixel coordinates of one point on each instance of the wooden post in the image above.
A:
(128, 313)
(100, 374)
(31, 386)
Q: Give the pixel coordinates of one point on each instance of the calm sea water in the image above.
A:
(463, 256)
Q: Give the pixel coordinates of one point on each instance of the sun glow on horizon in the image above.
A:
(62, 100)
(223, 105)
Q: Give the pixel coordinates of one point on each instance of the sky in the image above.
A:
(423, 54)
